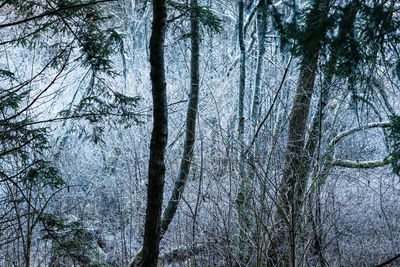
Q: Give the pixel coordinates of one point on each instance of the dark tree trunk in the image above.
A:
(282, 247)
(187, 157)
(159, 136)
(241, 200)
(190, 134)
(291, 189)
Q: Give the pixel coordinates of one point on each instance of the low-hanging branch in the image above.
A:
(331, 161)
(54, 12)
(362, 164)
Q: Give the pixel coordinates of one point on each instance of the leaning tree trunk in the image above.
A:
(291, 188)
(159, 137)
(190, 133)
(282, 247)
(191, 115)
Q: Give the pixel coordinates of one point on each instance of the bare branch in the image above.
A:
(346, 133)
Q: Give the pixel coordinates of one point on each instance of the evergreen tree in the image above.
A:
(65, 35)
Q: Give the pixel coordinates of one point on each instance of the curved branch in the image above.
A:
(348, 132)
(330, 161)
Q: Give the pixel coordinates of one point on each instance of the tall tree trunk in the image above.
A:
(241, 200)
(292, 187)
(190, 133)
(191, 116)
(261, 24)
(282, 247)
(282, 244)
(159, 136)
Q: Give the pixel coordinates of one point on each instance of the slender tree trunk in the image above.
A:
(241, 200)
(242, 85)
(190, 124)
(255, 114)
(159, 137)
(190, 133)
(314, 139)
(261, 30)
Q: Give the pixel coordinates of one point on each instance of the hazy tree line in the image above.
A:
(199, 133)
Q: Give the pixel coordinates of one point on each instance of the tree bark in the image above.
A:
(362, 164)
(159, 137)
(241, 200)
(190, 133)
(261, 24)
(291, 189)
(187, 156)
(282, 246)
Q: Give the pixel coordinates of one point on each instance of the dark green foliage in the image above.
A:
(16, 132)
(45, 174)
(80, 24)
(312, 35)
(71, 241)
(358, 36)
(344, 45)
(205, 16)
(377, 26)
(394, 139)
(97, 43)
(103, 107)
(6, 73)
(307, 30)
(62, 28)
(64, 35)
(355, 32)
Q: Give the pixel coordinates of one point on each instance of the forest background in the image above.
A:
(199, 133)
